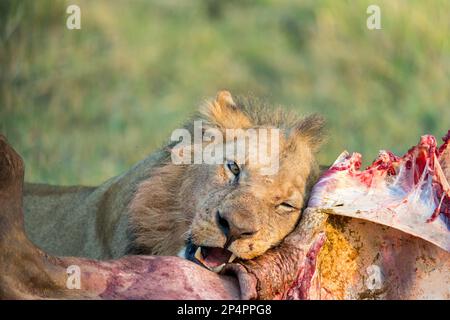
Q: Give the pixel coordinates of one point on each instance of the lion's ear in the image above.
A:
(225, 100)
(311, 131)
(224, 112)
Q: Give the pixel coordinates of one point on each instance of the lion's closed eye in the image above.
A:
(287, 206)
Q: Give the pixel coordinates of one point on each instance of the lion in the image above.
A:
(209, 213)
(213, 214)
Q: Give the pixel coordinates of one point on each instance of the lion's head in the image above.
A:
(216, 212)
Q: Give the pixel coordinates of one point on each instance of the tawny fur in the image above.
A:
(156, 205)
(180, 201)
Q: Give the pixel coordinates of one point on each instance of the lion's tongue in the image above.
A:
(213, 257)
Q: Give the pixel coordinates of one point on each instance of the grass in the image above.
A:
(82, 106)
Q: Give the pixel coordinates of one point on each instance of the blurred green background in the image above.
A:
(84, 105)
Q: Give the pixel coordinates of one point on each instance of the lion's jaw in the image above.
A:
(207, 207)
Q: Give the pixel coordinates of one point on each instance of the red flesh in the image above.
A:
(415, 186)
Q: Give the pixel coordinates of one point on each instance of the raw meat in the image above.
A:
(409, 193)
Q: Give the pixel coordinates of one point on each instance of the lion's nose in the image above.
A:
(233, 230)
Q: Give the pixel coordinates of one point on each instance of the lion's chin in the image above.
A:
(212, 258)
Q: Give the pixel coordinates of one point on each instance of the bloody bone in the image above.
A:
(365, 259)
(409, 193)
(27, 272)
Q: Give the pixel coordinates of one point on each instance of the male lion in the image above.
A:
(211, 213)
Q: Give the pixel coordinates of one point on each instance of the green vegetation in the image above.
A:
(82, 106)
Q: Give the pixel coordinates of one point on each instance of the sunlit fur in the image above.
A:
(180, 201)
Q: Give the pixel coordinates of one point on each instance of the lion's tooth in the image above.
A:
(233, 256)
(198, 254)
(182, 253)
(218, 268)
